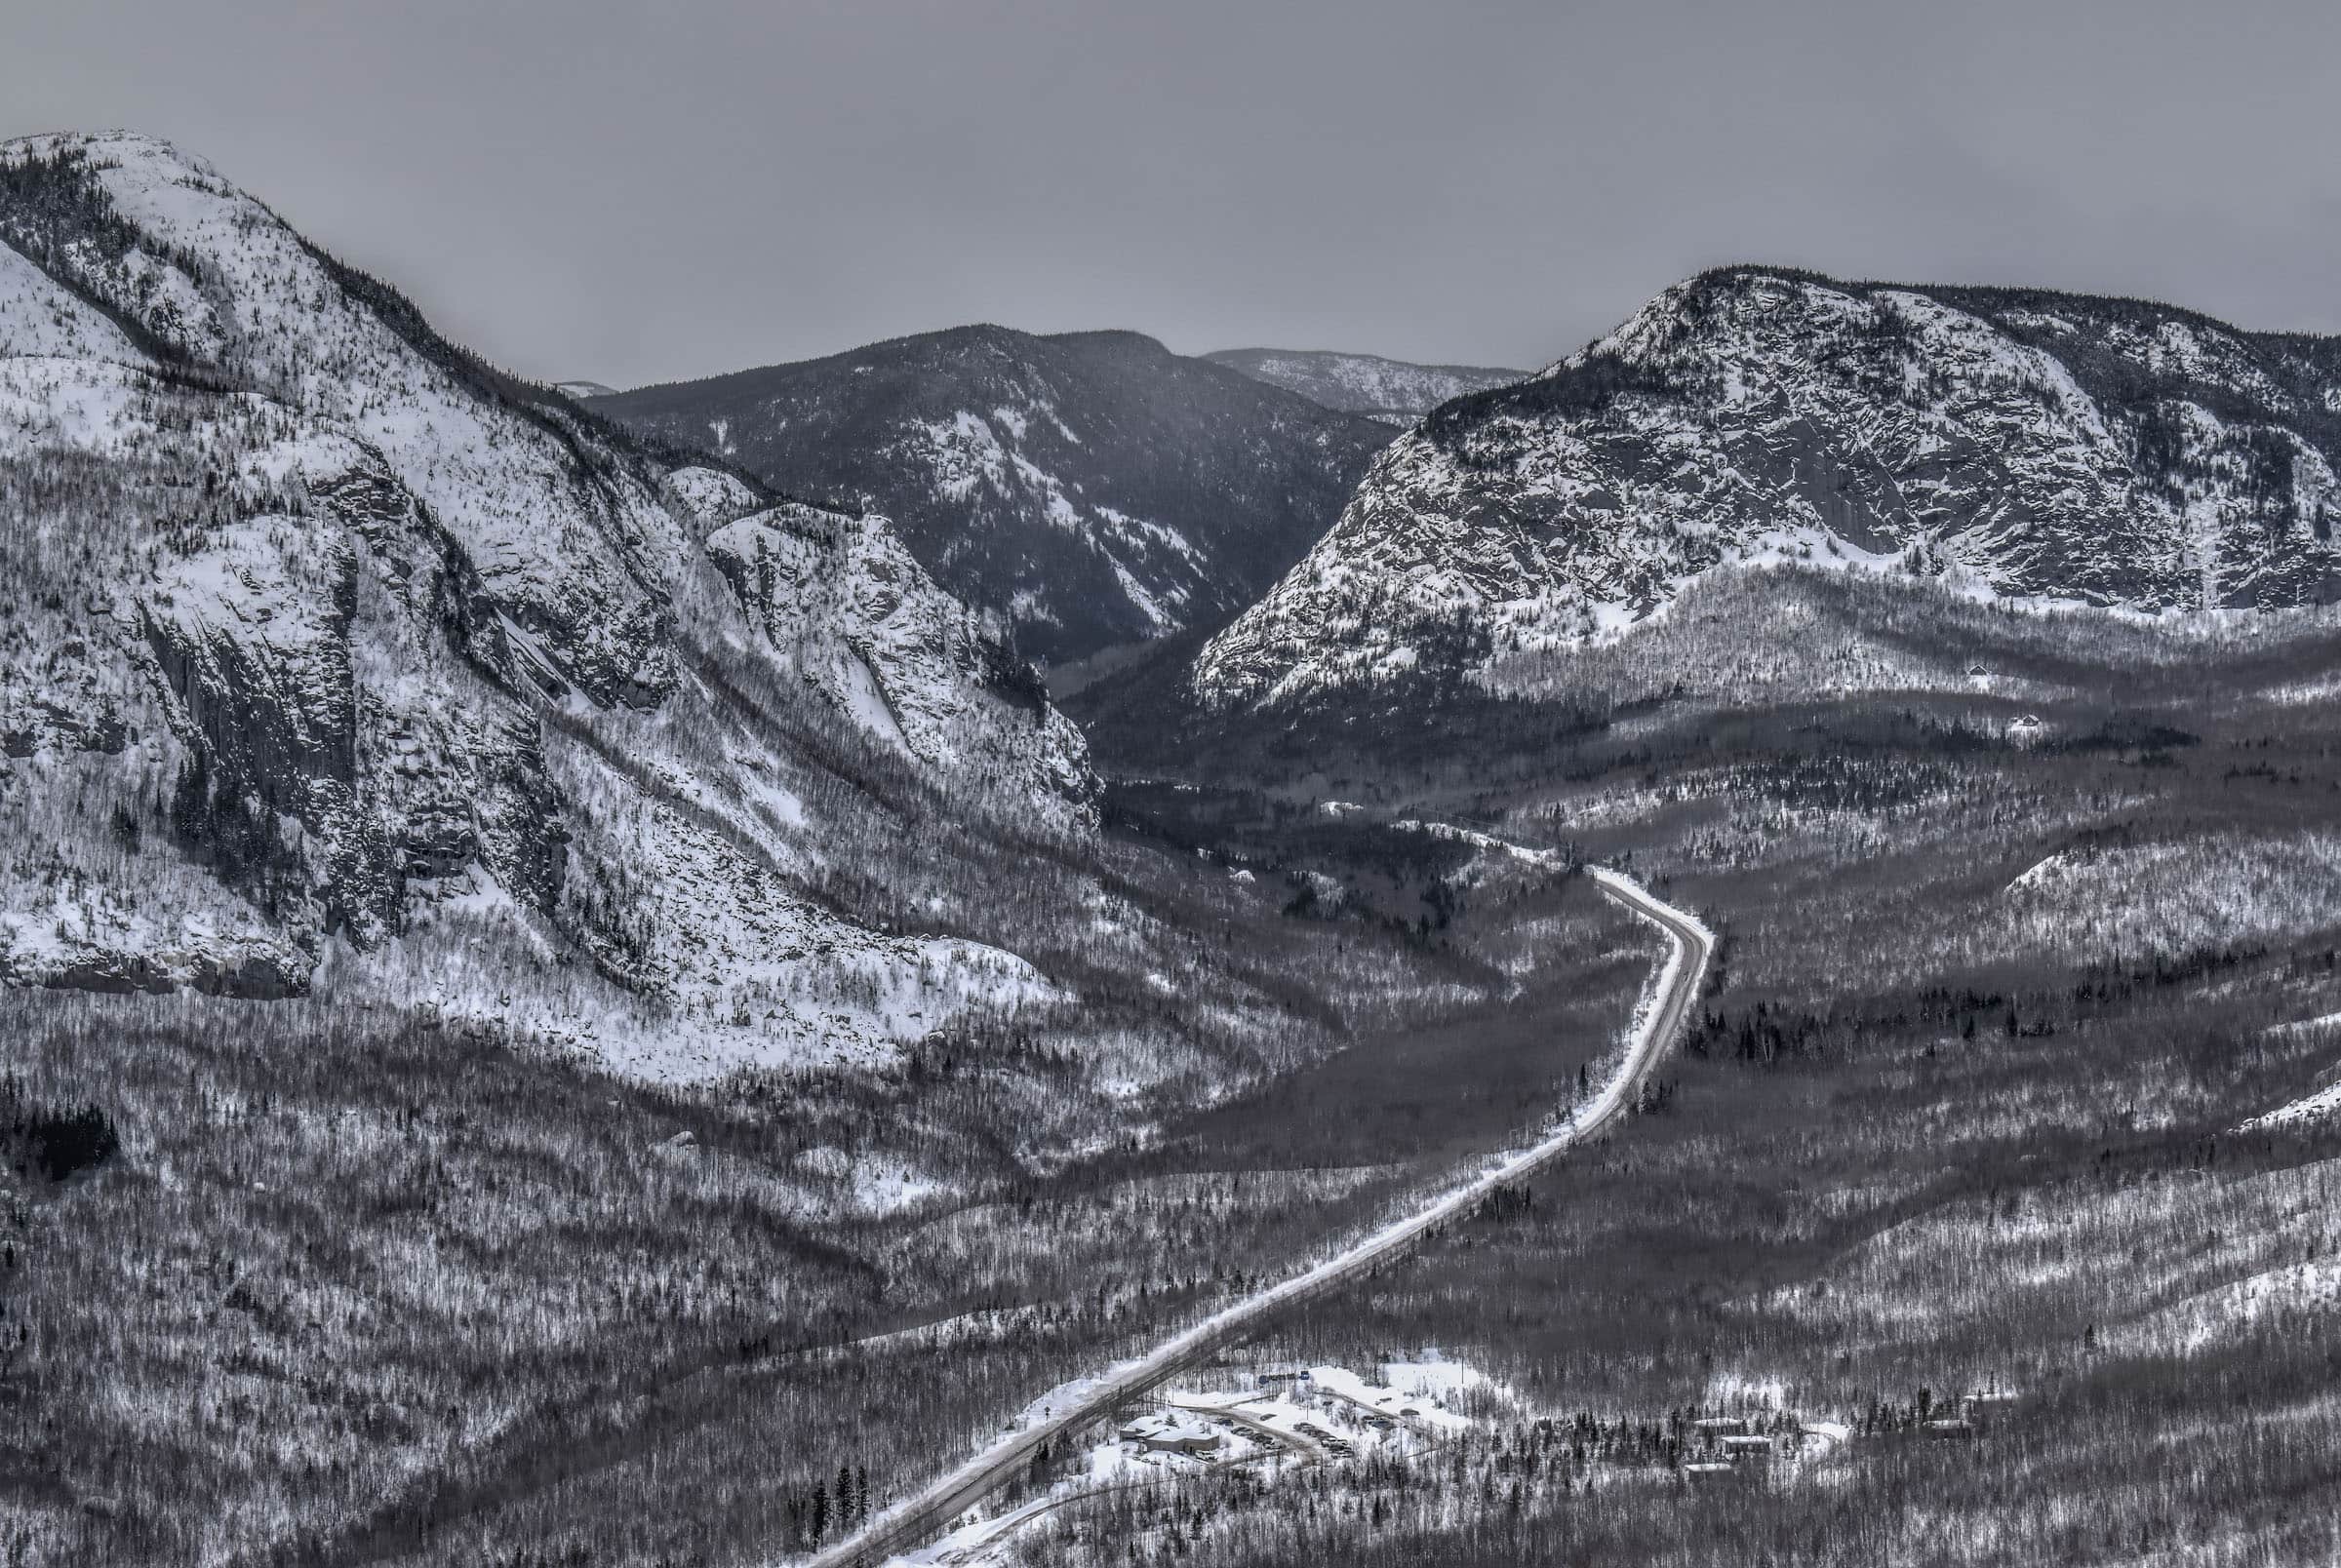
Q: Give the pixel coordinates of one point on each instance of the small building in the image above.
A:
(1706, 1470)
(1165, 1432)
(1718, 1426)
(1285, 1372)
(1955, 1428)
(1742, 1445)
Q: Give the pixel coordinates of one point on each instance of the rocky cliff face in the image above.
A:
(846, 612)
(321, 636)
(1089, 489)
(2010, 444)
(1391, 391)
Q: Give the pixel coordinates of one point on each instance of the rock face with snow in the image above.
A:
(851, 614)
(2025, 444)
(319, 634)
(1092, 489)
(1391, 391)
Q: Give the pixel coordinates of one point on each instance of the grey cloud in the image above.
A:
(636, 193)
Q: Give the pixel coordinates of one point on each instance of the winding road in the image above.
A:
(929, 1511)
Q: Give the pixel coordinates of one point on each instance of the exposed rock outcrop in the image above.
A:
(320, 631)
(2013, 443)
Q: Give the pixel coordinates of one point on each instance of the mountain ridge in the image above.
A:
(1090, 489)
(1393, 391)
(2021, 444)
(375, 650)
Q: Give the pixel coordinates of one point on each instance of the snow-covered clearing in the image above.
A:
(2313, 1107)
(1276, 1424)
(1548, 859)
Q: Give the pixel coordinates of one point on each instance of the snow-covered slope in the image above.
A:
(318, 634)
(1393, 391)
(1092, 489)
(2021, 445)
(853, 616)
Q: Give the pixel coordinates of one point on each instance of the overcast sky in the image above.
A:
(635, 191)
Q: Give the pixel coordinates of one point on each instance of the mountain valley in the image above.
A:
(1723, 952)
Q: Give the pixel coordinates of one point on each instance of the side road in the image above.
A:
(917, 1518)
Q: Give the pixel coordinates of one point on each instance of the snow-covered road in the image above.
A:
(1663, 1009)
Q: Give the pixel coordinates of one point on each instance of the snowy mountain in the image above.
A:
(1390, 390)
(2009, 443)
(1093, 489)
(328, 652)
(582, 390)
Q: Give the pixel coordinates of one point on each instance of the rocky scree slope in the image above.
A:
(1391, 391)
(2009, 444)
(320, 637)
(1092, 489)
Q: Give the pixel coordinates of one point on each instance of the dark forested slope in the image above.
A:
(1093, 489)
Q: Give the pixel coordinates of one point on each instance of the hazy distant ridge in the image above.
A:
(1390, 390)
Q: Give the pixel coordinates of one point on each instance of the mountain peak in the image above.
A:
(2016, 444)
(397, 649)
(120, 146)
(1092, 489)
(1112, 339)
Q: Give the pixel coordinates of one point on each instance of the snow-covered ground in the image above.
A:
(2312, 1286)
(1545, 858)
(556, 744)
(1327, 1429)
(1658, 1018)
(2313, 1107)
(1737, 423)
(1273, 1425)
(2319, 1103)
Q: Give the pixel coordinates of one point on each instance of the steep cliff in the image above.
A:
(2013, 444)
(323, 637)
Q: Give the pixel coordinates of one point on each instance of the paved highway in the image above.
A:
(927, 1514)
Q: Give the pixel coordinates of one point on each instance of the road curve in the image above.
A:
(919, 1517)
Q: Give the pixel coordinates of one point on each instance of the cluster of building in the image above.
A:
(1172, 1432)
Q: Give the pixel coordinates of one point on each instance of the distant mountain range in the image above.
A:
(1090, 489)
(1391, 391)
(2009, 443)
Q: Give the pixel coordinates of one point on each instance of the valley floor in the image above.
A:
(1989, 1191)
(1075, 1407)
(1990, 1198)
